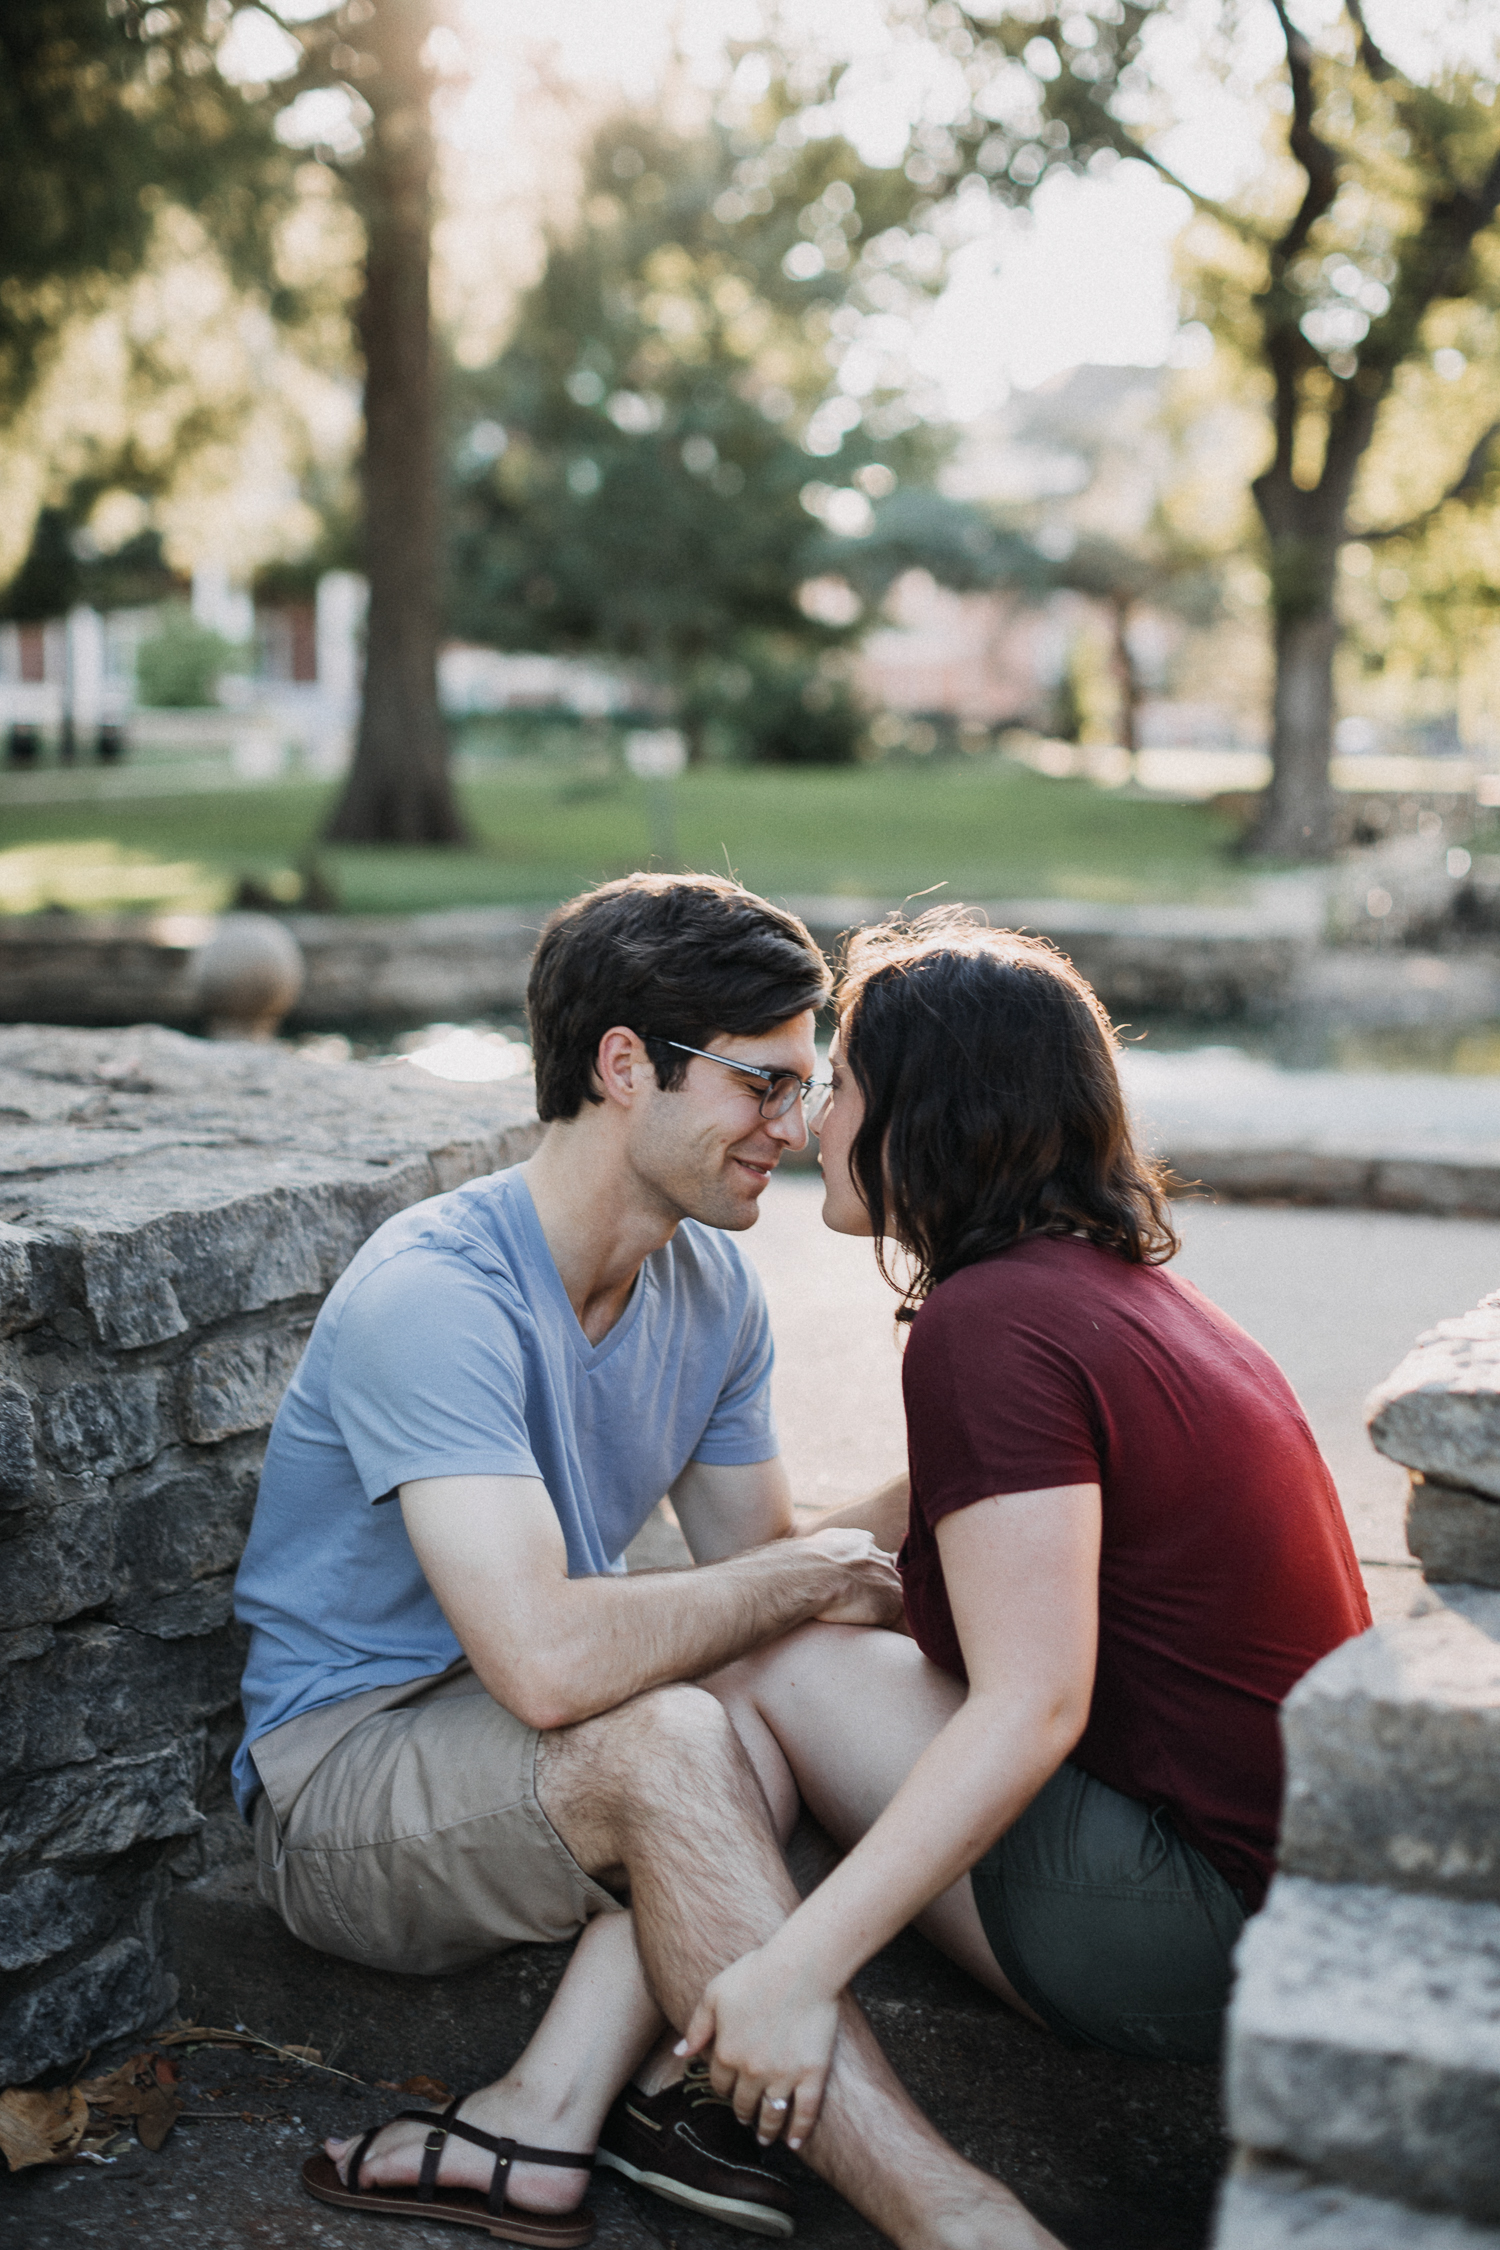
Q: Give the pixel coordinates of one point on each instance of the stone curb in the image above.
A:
(1443, 1185)
(1365, 2042)
(1393, 1756)
(1268, 2206)
(1439, 1411)
(1455, 1535)
(1206, 961)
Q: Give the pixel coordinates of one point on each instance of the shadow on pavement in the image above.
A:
(1111, 2154)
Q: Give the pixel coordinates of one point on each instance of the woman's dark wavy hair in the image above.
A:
(993, 1108)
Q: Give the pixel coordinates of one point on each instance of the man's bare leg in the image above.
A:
(841, 1715)
(661, 1794)
(601, 2022)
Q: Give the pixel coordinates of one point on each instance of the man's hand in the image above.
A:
(556, 1649)
(873, 1594)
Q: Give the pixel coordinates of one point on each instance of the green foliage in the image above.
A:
(108, 110)
(56, 574)
(775, 706)
(179, 667)
(1352, 275)
(636, 474)
(48, 581)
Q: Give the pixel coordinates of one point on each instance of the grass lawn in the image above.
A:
(985, 830)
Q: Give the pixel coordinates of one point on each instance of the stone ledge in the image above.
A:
(1352, 1178)
(1455, 1535)
(1393, 1755)
(1365, 2042)
(171, 1214)
(1199, 960)
(1281, 2207)
(1439, 1412)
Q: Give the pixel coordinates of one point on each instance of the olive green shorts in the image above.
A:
(1113, 1929)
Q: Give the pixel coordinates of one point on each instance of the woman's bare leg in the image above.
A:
(839, 1714)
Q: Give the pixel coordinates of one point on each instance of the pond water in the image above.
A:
(1381, 1094)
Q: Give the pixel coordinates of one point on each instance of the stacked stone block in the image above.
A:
(171, 1215)
(1364, 2040)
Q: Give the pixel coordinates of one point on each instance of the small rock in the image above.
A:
(248, 976)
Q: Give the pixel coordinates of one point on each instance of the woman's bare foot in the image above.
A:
(395, 2157)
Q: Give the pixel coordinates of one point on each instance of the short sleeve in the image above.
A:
(427, 1377)
(994, 1403)
(740, 1429)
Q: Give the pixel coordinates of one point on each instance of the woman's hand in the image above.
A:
(771, 2035)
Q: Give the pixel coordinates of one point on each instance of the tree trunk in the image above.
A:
(1127, 676)
(399, 790)
(1297, 817)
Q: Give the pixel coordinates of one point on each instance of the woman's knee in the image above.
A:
(765, 1668)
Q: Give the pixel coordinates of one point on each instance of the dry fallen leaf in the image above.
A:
(135, 2090)
(41, 2128)
(304, 2054)
(426, 2089)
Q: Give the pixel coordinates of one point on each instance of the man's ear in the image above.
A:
(622, 1066)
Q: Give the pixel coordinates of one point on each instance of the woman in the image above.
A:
(1121, 1550)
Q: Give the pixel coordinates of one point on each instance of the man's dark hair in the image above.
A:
(993, 1107)
(687, 957)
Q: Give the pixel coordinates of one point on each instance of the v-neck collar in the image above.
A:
(539, 1251)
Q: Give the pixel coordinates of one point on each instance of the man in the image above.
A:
(464, 1730)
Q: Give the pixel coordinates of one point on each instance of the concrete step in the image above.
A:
(1365, 2042)
(1281, 2207)
(1393, 1754)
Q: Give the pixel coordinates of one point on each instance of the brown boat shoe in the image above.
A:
(687, 2145)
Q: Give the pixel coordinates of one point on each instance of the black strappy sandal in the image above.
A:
(460, 2207)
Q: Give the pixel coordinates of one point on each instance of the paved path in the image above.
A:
(1335, 1296)
(1115, 2155)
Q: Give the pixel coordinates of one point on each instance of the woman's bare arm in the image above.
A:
(882, 1513)
(1022, 1572)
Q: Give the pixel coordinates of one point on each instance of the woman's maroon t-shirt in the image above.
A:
(1226, 1569)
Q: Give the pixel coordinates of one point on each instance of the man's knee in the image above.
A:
(604, 1775)
(670, 1728)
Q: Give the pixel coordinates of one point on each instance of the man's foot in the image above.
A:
(686, 2144)
(394, 2159)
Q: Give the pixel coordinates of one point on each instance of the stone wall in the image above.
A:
(1364, 2037)
(1211, 962)
(171, 1215)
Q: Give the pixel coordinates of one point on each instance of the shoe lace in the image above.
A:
(698, 2087)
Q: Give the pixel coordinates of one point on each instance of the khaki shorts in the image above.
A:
(401, 1829)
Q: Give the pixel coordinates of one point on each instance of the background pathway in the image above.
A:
(1336, 1297)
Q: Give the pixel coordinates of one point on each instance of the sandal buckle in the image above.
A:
(435, 2139)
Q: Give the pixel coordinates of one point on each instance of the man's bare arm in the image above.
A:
(883, 1514)
(555, 1649)
(726, 1511)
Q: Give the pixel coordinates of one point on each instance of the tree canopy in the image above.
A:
(1341, 277)
(664, 455)
(110, 109)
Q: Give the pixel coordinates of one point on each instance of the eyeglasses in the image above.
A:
(782, 1087)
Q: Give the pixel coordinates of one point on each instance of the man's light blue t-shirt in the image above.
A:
(449, 1348)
